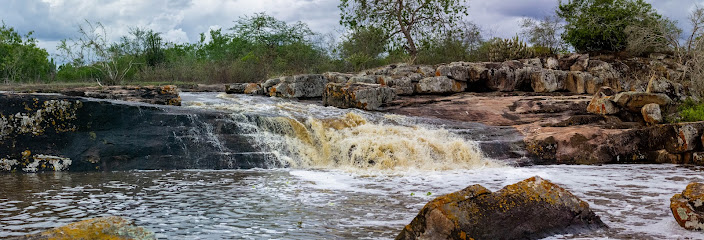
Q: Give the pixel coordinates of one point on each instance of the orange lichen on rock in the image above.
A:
(688, 207)
(112, 228)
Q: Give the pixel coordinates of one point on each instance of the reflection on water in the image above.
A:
(314, 204)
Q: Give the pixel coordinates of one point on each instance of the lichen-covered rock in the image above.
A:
(254, 89)
(602, 103)
(546, 80)
(97, 228)
(440, 85)
(687, 138)
(357, 95)
(530, 209)
(510, 76)
(335, 77)
(634, 101)
(401, 85)
(299, 86)
(651, 113)
(661, 85)
(688, 207)
(552, 64)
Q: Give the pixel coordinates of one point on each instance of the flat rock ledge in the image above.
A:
(160, 95)
(97, 228)
(688, 207)
(531, 209)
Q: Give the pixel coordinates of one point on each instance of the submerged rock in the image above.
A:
(94, 229)
(357, 95)
(688, 207)
(530, 209)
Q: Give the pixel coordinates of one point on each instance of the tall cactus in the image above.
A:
(509, 49)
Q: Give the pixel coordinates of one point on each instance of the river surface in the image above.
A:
(350, 175)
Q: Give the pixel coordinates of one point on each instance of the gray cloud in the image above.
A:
(184, 20)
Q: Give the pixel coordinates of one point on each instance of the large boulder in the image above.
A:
(509, 77)
(687, 137)
(688, 207)
(546, 80)
(244, 88)
(651, 114)
(634, 101)
(336, 77)
(440, 85)
(401, 85)
(577, 82)
(299, 86)
(602, 102)
(530, 209)
(97, 228)
(357, 95)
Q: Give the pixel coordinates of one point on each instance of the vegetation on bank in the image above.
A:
(260, 46)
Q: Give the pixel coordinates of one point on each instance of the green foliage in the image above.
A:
(363, 47)
(690, 111)
(500, 50)
(544, 34)
(599, 25)
(406, 22)
(21, 60)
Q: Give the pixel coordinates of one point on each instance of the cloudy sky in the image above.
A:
(184, 20)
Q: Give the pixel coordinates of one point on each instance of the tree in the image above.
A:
(653, 36)
(363, 47)
(599, 25)
(21, 59)
(544, 33)
(93, 48)
(404, 20)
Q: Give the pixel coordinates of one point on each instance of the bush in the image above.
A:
(690, 111)
(499, 50)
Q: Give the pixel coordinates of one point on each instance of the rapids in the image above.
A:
(348, 174)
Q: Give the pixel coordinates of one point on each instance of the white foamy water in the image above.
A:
(311, 136)
(321, 204)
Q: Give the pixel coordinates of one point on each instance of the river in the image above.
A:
(349, 175)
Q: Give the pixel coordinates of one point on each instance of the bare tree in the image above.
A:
(544, 33)
(654, 36)
(93, 48)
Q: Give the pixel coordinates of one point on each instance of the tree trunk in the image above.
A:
(412, 50)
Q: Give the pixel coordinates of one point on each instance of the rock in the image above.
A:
(254, 89)
(58, 133)
(235, 88)
(634, 101)
(651, 114)
(160, 95)
(357, 95)
(335, 77)
(532, 62)
(96, 228)
(270, 83)
(299, 86)
(530, 209)
(576, 82)
(602, 102)
(401, 85)
(664, 157)
(661, 85)
(581, 64)
(698, 158)
(688, 207)
(440, 85)
(686, 138)
(544, 80)
(566, 62)
(371, 79)
(509, 77)
(455, 72)
(552, 64)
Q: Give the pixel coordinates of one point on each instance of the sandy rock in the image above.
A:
(98, 228)
(357, 95)
(530, 209)
(651, 113)
(688, 207)
(440, 85)
(634, 101)
(602, 103)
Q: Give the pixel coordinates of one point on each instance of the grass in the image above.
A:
(690, 111)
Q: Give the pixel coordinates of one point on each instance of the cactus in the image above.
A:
(509, 49)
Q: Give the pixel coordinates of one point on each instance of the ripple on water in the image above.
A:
(314, 204)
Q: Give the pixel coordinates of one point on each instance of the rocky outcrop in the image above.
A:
(530, 209)
(357, 95)
(161, 95)
(688, 207)
(58, 133)
(674, 91)
(634, 101)
(98, 228)
(440, 85)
